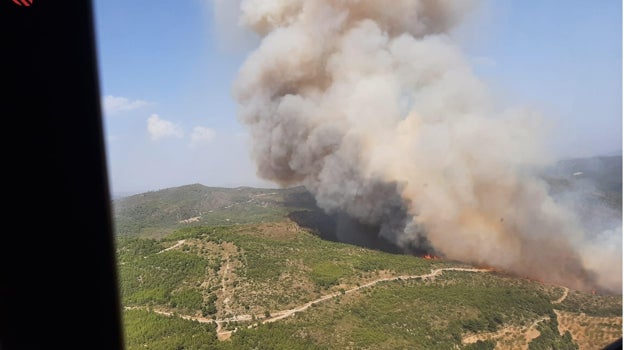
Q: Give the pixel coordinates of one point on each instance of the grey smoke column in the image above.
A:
(373, 108)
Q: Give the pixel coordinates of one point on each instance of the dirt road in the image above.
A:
(223, 334)
(180, 242)
(566, 290)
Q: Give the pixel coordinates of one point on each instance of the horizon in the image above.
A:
(122, 194)
(166, 72)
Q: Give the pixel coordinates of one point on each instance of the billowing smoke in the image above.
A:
(374, 109)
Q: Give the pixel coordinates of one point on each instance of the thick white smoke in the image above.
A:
(374, 108)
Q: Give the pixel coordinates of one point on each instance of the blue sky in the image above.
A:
(166, 69)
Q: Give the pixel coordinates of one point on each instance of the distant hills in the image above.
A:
(591, 188)
(602, 174)
(157, 213)
(592, 185)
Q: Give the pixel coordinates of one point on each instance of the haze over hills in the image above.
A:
(598, 177)
(591, 187)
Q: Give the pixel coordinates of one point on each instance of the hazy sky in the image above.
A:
(166, 69)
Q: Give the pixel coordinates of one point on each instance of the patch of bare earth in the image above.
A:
(510, 337)
(228, 275)
(289, 289)
(563, 296)
(590, 332)
(189, 220)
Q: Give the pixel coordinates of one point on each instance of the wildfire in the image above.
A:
(430, 257)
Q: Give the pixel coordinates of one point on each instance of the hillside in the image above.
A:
(276, 285)
(216, 268)
(590, 187)
(246, 268)
(158, 213)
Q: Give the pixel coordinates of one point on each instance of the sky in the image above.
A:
(167, 67)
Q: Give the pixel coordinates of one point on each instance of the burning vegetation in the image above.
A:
(374, 109)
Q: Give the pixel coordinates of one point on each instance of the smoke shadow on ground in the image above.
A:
(340, 227)
(344, 229)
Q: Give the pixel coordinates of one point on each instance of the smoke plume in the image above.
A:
(374, 109)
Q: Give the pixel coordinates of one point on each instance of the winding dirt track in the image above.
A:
(529, 332)
(180, 242)
(222, 334)
(566, 290)
(290, 312)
